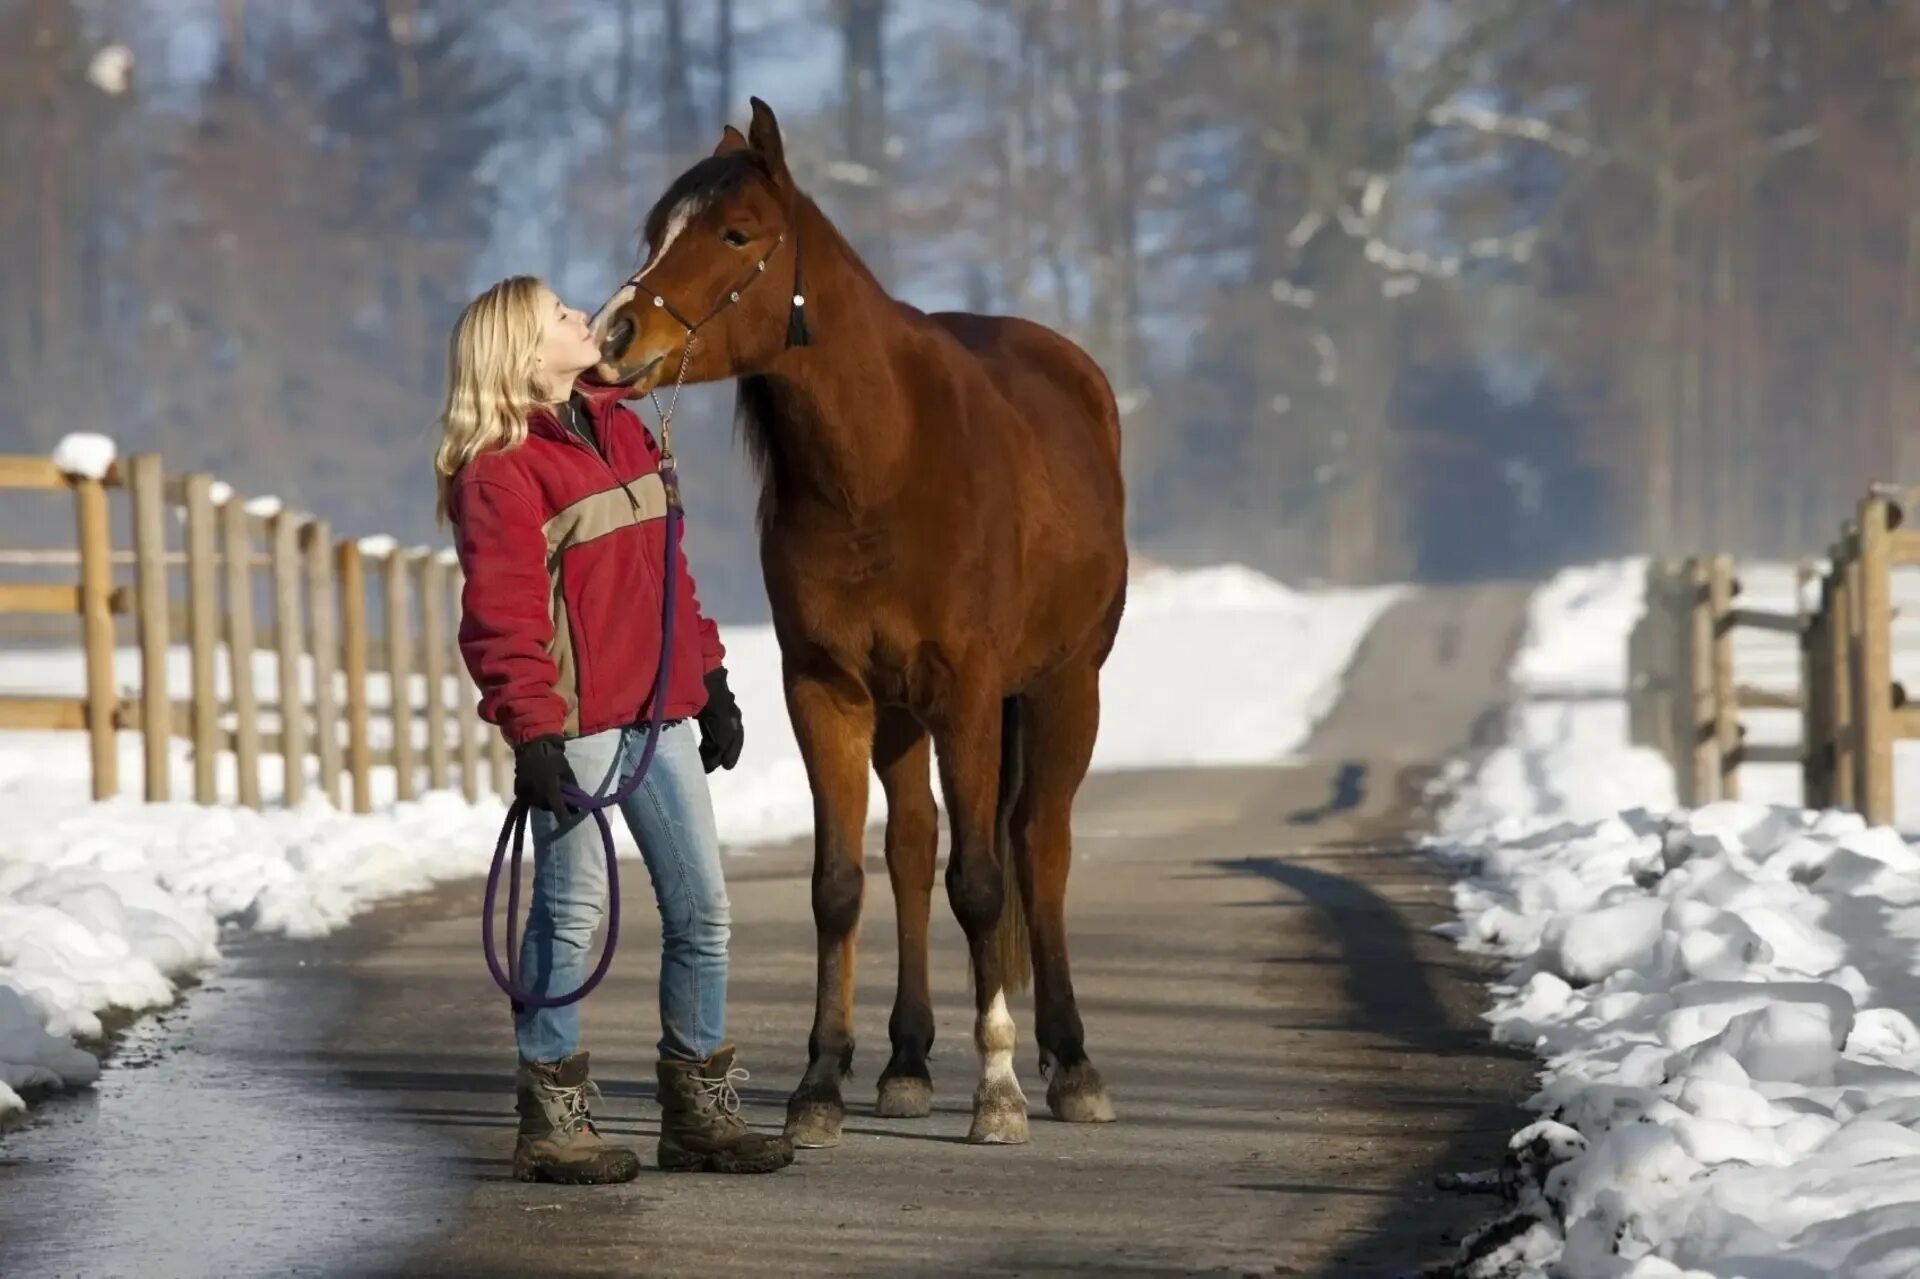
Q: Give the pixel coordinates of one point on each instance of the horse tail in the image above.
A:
(1012, 947)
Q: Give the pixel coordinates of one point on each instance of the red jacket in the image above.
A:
(563, 549)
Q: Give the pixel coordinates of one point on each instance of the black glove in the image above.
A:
(540, 769)
(722, 732)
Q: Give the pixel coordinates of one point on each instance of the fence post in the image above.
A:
(1640, 676)
(96, 616)
(323, 641)
(1816, 717)
(500, 762)
(353, 629)
(203, 630)
(433, 640)
(400, 672)
(238, 548)
(1702, 738)
(1726, 693)
(1664, 650)
(148, 482)
(466, 718)
(288, 627)
(1873, 708)
(1842, 627)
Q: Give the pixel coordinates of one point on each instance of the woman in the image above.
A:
(554, 493)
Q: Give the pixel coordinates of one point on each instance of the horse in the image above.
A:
(942, 530)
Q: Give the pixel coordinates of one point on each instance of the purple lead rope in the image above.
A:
(514, 832)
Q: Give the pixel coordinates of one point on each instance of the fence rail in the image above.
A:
(1684, 698)
(204, 570)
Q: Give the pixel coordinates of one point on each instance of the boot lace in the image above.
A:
(574, 1108)
(722, 1092)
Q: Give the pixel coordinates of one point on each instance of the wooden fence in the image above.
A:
(206, 596)
(1685, 698)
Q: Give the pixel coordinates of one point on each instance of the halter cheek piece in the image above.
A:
(798, 334)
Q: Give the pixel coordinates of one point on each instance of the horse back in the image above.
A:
(1048, 380)
(1060, 428)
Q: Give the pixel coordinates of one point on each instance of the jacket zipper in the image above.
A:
(577, 436)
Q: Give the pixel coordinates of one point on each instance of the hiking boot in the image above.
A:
(558, 1141)
(700, 1125)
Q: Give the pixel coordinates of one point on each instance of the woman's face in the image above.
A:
(567, 349)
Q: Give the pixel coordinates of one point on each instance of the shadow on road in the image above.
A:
(1349, 792)
(1391, 986)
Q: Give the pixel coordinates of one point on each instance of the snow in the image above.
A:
(264, 507)
(110, 70)
(378, 545)
(105, 904)
(84, 455)
(1718, 995)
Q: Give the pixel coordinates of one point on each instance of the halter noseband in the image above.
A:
(733, 294)
(798, 334)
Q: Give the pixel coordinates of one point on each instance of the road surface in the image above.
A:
(1293, 1055)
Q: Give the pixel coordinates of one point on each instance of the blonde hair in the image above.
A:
(491, 365)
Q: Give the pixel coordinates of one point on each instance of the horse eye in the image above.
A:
(737, 239)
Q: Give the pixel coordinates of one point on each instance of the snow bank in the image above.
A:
(1212, 667)
(1731, 1086)
(101, 905)
(85, 455)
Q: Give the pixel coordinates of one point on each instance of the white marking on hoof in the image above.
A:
(999, 1107)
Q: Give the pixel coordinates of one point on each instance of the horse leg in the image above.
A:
(1060, 720)
(833, 723)
(900, 757)
(969, 741)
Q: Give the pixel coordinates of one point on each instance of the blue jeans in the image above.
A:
(671, 817)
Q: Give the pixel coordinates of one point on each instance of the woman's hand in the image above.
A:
(541, 774)
(722, 731)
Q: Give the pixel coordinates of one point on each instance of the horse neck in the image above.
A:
(839, 429)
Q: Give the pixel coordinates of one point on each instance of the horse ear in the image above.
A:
(731, 140)
(764, 134)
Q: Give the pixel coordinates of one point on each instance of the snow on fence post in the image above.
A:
(96, 620)
(1874, 706)
(466, 718)
(433, 640)
(323, 642)
(203, 634)
(237, 547)
(1726, 694)
(353, 627)
(400, 671)
(288, 629)
(147, 480)
(1702, 740)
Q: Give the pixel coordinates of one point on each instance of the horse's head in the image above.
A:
(721, 260)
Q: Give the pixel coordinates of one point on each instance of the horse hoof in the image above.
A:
(999, 1116)
(998, 1128)
(815, 1128)
(904, 1097)
(1078, 1096)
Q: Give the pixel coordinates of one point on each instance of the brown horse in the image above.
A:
(942, 533)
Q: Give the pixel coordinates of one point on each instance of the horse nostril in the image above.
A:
(617, 338)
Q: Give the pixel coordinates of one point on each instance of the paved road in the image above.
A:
(1292, 1053)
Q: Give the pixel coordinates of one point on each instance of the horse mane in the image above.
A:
(714, 178)
(753, 414)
